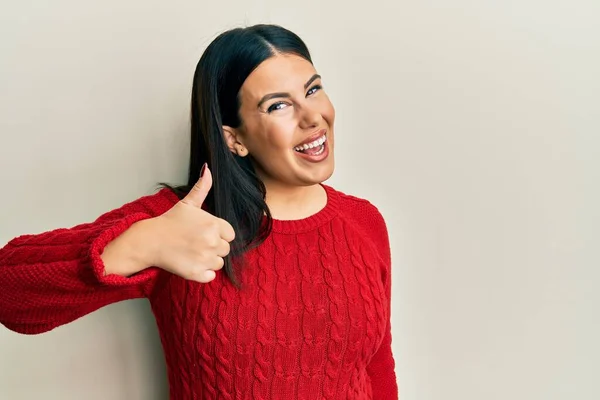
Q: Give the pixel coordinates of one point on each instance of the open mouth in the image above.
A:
(313, 148)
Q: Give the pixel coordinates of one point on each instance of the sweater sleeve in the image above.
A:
(55, 277)
(381, 368)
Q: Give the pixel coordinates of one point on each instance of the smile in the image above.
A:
(315, 147)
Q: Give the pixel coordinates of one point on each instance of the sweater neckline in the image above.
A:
(311, 222)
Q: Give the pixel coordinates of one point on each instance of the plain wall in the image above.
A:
(473, 126)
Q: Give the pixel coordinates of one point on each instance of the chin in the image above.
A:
(323, 174)
(328, 174)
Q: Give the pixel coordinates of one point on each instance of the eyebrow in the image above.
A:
(285, 94)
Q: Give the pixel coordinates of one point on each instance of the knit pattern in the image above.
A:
(311, 320)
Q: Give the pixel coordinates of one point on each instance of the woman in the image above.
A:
(302, 308)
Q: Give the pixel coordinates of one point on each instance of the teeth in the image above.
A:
(311, 145)
(320, 151)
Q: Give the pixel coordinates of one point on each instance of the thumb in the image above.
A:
(198, 194)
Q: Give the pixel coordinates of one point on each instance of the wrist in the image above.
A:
(131, 252)
(143, 243)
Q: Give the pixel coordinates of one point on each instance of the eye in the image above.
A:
(276, 106)
(314, 89)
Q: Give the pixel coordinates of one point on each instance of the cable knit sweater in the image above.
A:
(312, 320)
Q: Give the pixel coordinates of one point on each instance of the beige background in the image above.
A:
(474, 126)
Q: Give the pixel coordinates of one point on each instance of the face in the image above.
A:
(287, 123)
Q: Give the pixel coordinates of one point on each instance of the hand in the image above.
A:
(191, 242)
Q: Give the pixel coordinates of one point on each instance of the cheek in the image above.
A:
(280, 133)
(267, 135)
(331, 114)
(328, 111)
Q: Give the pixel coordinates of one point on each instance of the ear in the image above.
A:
(233, 139)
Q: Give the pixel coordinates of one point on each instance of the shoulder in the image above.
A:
(158, 202)
(152, 205)
(358, 208)
(365, 219)
(365, 214)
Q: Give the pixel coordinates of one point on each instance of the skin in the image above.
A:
(270, 131)
(268, 134)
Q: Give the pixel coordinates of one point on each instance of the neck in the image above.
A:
(294, 202)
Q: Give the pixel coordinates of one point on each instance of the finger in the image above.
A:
(209, 275)
(202, 273)
(223, 248)
(226, 231)
(198, 194)
(219, 263)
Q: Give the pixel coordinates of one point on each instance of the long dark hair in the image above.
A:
(237, 195)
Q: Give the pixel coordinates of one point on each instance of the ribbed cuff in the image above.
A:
(99, 244)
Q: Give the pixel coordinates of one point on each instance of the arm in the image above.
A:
(381, 368)
(55, 277)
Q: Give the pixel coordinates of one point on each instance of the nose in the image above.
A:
(310, 117)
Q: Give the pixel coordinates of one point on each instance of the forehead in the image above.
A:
(280, 73)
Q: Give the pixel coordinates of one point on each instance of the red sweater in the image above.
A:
(312, 320)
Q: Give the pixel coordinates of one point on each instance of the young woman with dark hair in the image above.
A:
(301, 309)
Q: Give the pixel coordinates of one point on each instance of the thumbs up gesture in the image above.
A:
(192, 241)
